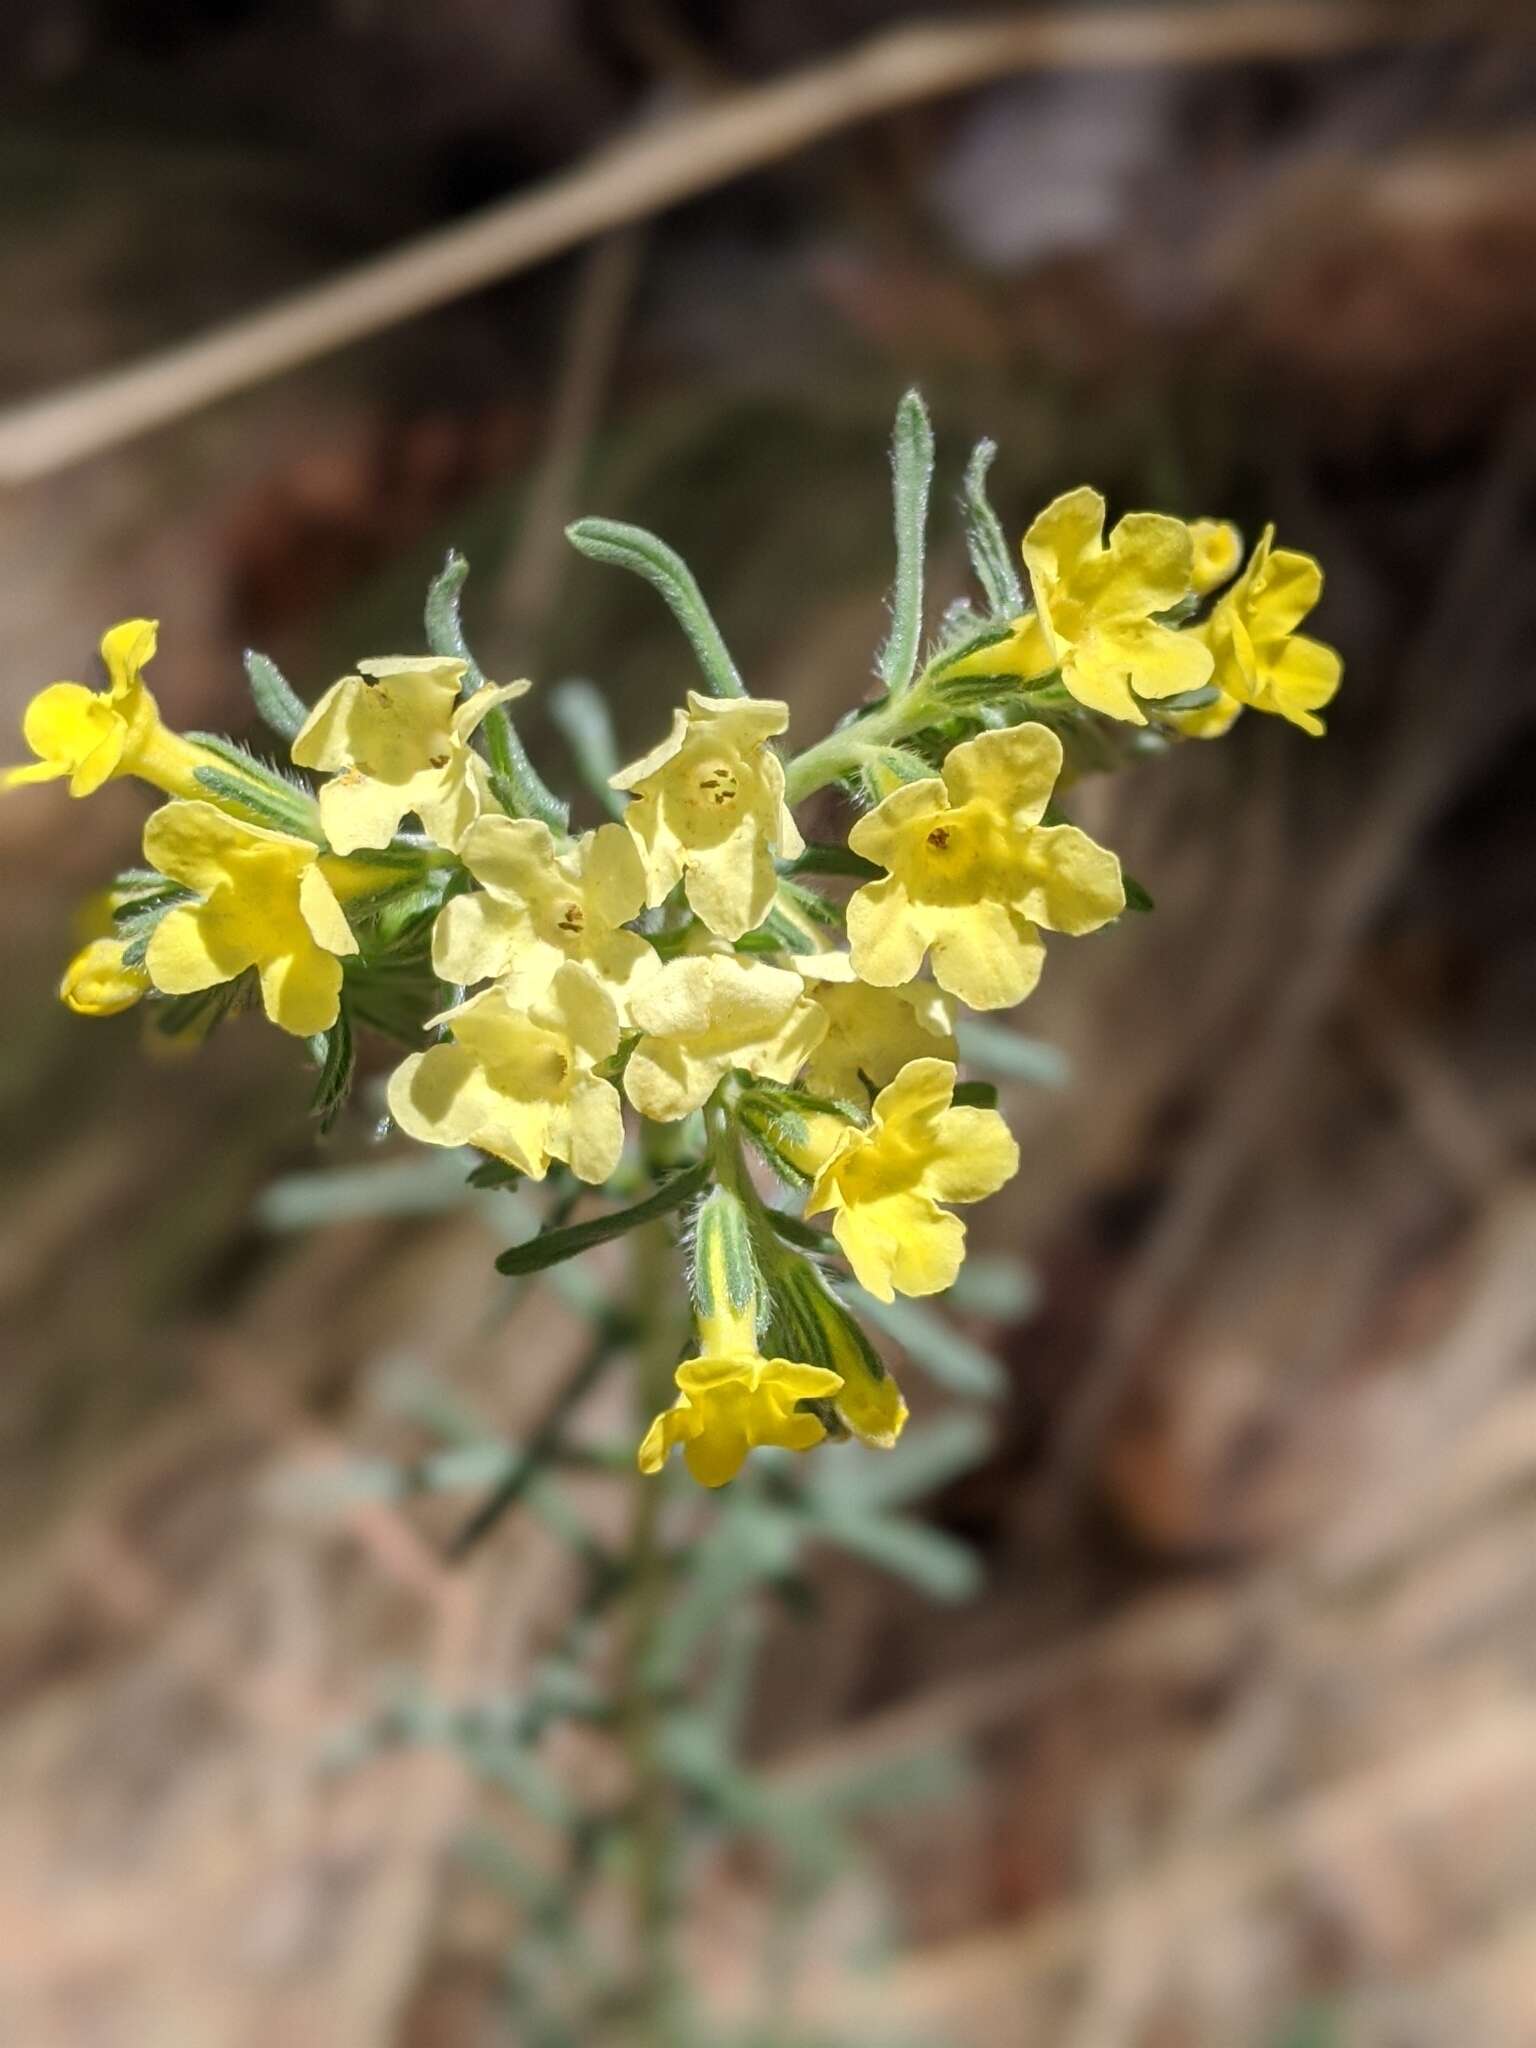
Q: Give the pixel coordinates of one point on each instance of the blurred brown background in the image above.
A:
(1249, 1699)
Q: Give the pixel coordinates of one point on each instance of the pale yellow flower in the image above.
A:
(519, 1082)
(98, 982)
(1095, 609)
(973, 872)
(543, 904)
(94, 736)
(871, 1032)
(1259, 658)
(708, 810)
(395, 739)
(703, 1015)
(265, 903)
(884, 1184)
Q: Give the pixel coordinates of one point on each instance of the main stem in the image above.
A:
(841, 752)
(650, 1871)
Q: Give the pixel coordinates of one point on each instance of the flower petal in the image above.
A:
(301, 990)
(885, 940)
(984, 953)
(1013, 769)
(973, 1153)
(1076, 885)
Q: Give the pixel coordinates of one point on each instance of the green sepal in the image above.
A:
(819, 859)
(256, 792)
(724, 1270)
(1136, 898)
(550, 1247)
(808, 1323)
(632, 548)
(278, 705)
(975, 1095)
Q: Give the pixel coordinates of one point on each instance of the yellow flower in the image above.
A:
(972, 872)
(519, 1082)
(542, 905)
(265, 903)
(884, 1184)
(1217, 549)
(1260, 658)
(99, 983)
(731, 1402)
(93, 736)
(1094, 618)
(1210, 722)
(399, 735)
(703, 1015)
(871, 1032)
(709, 810)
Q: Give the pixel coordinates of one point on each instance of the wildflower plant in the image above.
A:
(694, 1023)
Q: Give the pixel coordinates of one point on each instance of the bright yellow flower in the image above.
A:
(1217, 549)
(542, 905)
(972, 872)
(1260, 658)
(395, 739)
(93, 736)
(732, 1402)
(1095, 609)
(703, 1015)
(519, 1082)
(871, 1032)
(99, 983)
(709, 810)
(884, 1184)
(265, 903)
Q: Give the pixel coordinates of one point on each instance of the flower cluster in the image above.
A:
(689, 994)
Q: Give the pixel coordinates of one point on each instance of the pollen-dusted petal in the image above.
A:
(326, 919)
(1069, 528)
(985, 954)
(356, 811)
(1076, 885)
(884, 939)
(881, 833)
(301, 990)
(973, 1154)
(1014, 769)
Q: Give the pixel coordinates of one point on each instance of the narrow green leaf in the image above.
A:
(277, 705)
(991, 556)
(631, 547)
(580, 714)
(260, 803)
(1136, 898)
(551, 1246)
(518, 785)
(911, 475)
(976, 1095)
(1009, 1055)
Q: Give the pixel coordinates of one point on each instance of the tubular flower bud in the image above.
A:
(973, 872)
(98, 982)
